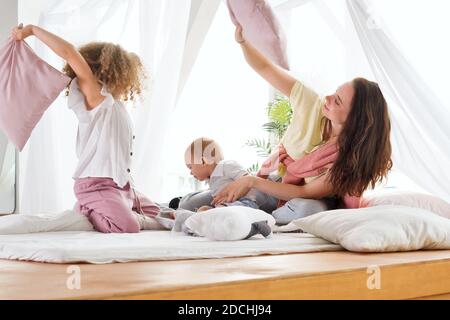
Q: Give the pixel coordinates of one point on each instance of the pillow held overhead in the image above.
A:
(261, 28)
(28, 86)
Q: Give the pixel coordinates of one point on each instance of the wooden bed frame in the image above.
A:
(320, 275)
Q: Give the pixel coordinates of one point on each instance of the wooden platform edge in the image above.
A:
(427, 279)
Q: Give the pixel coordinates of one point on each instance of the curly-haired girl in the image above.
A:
(103, 76)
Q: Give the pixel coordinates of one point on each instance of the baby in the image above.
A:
(204, 158)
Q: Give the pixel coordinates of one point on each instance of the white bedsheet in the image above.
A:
(99, 248)
(32, 223)
(69, 238)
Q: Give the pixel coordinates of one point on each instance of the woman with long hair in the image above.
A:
(333, 150)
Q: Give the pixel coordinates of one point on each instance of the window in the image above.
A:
(224, 99)
(323, 47)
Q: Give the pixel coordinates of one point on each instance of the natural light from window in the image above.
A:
(224, 99)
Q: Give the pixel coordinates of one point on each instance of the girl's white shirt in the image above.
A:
(104, 139)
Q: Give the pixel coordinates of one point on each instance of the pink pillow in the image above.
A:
(408, 199)
(261, 28)
(28, 85)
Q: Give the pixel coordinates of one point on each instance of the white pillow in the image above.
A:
(380, 228)
(227, 223)
(409, 199)
(20, 223)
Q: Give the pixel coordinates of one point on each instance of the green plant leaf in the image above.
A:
(253, 169)
(263, 147)
(279, 113)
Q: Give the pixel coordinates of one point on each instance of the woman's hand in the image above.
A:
(234, 191)
(21, 33)
(281, 158)
(273, 162)
(238, 35)
(282, 153)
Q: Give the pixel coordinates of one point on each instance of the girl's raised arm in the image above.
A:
(87, 82)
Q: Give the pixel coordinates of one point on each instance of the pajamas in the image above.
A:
(195, 200)
(300, 208)
(243, 202)
(110, 208)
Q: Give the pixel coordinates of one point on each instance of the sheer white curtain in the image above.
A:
(202, 15)
(420, 122)
(171, 60)
(329, 44)
(333, 41)
(156, 30)
(224, 99)
(162, 45)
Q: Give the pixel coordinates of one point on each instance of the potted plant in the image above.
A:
(279, 113)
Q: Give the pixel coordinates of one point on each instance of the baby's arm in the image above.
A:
(87, 82)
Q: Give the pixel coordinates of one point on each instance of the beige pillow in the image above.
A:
(380, 228)
(408, 199)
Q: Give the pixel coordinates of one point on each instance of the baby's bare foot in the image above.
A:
(203, 208)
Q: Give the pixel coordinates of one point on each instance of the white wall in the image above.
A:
(8, 19)
(30, 10)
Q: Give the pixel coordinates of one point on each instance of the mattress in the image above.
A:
(99, 248)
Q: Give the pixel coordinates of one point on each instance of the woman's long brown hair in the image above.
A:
(364, 143)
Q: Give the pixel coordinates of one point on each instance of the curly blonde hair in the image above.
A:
(120, 71)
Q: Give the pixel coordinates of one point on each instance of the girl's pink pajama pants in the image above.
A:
(110, 208)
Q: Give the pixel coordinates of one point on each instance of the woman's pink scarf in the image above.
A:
(310, 165)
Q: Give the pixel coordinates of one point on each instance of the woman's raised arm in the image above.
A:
(279, 78)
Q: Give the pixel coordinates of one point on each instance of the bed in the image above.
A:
(318, 275)
(291, 265)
